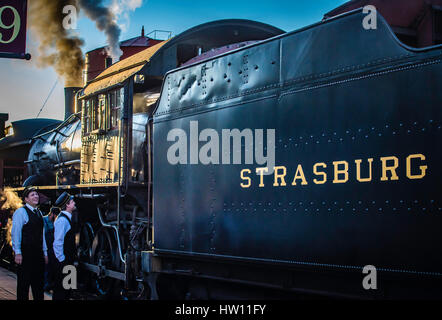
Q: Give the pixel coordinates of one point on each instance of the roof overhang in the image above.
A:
(119, 72)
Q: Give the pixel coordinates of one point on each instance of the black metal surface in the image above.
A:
(333, 92)
(52, 150)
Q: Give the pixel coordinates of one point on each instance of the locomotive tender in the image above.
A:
(356, 179)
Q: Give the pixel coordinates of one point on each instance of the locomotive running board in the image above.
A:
(103, 272)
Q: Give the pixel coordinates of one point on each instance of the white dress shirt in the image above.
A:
(19, 219)
(61, 227)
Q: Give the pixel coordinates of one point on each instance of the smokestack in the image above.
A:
(3, 118)
(142, 31)
(108, 62)
(69, 100)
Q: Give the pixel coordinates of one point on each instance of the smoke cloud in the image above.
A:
(122, 8)
(60, 47)
(9, 202)
(105, 21)
(57, 48)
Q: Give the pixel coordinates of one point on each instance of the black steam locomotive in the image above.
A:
(169, 155)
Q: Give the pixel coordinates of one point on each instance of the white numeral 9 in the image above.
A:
(15, 24)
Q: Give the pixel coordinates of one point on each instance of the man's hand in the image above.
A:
(18, 258)
(46, 260)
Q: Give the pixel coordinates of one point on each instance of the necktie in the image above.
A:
(37, 212)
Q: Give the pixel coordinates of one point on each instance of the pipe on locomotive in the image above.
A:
(116, 229)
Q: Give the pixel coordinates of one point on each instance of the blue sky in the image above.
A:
(24, 87)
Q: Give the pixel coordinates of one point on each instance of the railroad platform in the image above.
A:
(8, 286)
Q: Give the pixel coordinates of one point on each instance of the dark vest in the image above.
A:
(69, 247)
(32, 235)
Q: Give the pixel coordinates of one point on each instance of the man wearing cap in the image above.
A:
(29, 245)
(64, 242)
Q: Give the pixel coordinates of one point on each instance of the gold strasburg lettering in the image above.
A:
(360, 170)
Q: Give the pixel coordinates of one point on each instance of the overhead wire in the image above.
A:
(47, 98)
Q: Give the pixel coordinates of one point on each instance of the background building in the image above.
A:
(98, 59)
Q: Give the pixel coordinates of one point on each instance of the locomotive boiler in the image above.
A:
(352, 118)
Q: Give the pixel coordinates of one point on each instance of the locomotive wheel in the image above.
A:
(84, 252)
(104, 252)
(84, 243)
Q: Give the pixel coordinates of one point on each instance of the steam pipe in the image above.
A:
(118, 234)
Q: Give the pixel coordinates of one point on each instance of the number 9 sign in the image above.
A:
(13, 28)
(15, 25)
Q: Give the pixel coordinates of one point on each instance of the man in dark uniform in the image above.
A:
(64, 243)
(29, 246)
(49, 236)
